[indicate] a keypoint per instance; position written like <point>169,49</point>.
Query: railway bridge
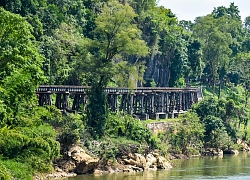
<point>141,102</point>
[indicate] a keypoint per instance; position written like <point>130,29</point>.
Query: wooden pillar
<point>189,100</point>
<point>76,102</point>
<point>172,104</point>
<point>113,102</point>
<point>167,102</point>
<point>161,109</point>
<point>178,101</point>
<point>65,102</point>
<point>149,103</point>
<point>58,101</point>
<point>141,103</point>
<point>79,100</point>
<point>44,99</point>
<point>138,103</point>
<point>184,101</point>
<point>131,104</point>
<point>124,103</point>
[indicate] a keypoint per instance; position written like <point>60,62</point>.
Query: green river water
<point>232,167</point>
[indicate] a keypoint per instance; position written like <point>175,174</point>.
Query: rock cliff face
<point>157,70</point>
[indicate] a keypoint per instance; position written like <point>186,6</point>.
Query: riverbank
<point>117,169</point>
<point>129,158</point>
<point>233,167</point>
<point>76,161</point>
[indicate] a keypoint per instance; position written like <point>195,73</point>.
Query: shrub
<point>4,172</point>
<point>186,136</point>
<point>72,129</point>
<point>22,146</point>
<point>11,169</point>
<point>119,125</point>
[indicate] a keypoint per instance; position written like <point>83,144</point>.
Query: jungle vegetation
<point>122,43</point>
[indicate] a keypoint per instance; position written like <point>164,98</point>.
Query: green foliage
<point>95,42</point>
<point>25,142</point>
<point>150,83</point>
<point>97,111</point>
<point>186,136</point>
<point>115,35</point>
<point>241,67</point>
<point>180,82</point>
<point>20,66</point>
<point>17,48</point>
<point>12,169</point>
<point>220,119</point>
<point>119,125</point>
<point>4,173</point>
<point>72,129</point>
<point>116,32</point>
<point>173,48</point>
<point>65,52</point>
<point>3,114</point>
<point>128,75</point>
<point>51,115</point>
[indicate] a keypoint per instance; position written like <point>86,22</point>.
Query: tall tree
<point>116,35</point>
<point>241,67</point>
<point>65,54</point>
<point>20,62</point>
<point>215,39</point>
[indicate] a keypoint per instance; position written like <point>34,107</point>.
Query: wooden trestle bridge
<point>141,102</point>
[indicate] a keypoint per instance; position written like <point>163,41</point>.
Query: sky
<point>190,9</point>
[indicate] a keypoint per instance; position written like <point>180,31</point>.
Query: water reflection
<point>231,167</point>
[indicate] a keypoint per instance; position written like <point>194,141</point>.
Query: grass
<point>123,140</point>
<point>161,120</point>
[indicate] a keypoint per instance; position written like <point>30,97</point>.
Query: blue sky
<point>190,9</point>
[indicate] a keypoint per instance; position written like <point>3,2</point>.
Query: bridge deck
<point>142,102</point>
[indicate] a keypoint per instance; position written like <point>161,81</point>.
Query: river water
<point>231,167</point>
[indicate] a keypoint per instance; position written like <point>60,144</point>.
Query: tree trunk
<point>220,87</point>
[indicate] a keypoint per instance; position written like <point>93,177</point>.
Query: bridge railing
<point>73,89</point>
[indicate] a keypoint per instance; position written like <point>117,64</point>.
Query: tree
<point>20,62</point>
<point>25,139</point>
<point>116,35</point>
<point>195,65</point>
<point>174,55</point>
<point>141,5</point>
<point>168,47</point>
<point>186,136</point>
<point>66,53</point>
<point>241,66</point>
<point>215,40</point>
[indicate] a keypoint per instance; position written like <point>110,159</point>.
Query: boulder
<point>78,161</point>
<point>130,162</point>
<point>151,161</point>
<point>86,166</point>
<point>141,160</point>
<point>212,152</point>
<point>162,163</point>
<point>244,145</point>
<point>66,165</point>
<point>136,160</point>
<point>231,151</point>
